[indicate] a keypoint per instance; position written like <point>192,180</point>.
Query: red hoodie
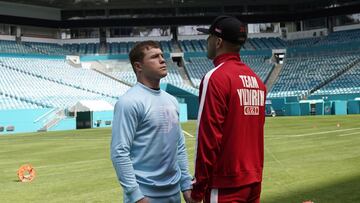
<point>230,133</point>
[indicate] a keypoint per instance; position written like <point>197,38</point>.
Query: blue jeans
<point>176,198</point>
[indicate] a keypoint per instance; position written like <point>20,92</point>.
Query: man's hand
<point>193,201</point>
<point>143,200</point>
<point>187,196</point>
<point>190,200</point>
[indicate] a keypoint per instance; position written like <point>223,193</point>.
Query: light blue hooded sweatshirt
<point>148,147</point>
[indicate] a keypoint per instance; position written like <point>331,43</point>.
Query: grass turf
<point>306,158</point>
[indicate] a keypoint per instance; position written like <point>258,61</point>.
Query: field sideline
<point>306,158</point>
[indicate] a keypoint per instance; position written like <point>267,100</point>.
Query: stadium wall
<point>319,108</point>
<point>304,109</point>
<point>43,40</point>
<point>22,120</point>
<point>334,105</point>
<point>87,58</point>
<point>192,37</point>
<point>346,27</point>
<point>292,109</point>
<point>307,34</point>
<point>79,41</point>
<point>264,35</point>
<point>188,108</point>
<point>137,39</point>
<point>32,120</point>
<point>183,112</point>
<point>102,119</point>
<point>353,107</point>
<point>339,108</point>
<point>7,37</point>
<point>39,32</point>
<point>336,97</point>
<point>65,124</point>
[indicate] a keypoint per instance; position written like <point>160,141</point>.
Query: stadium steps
<point>98,67</point>
<point>58,116</point>
<point>184,75</point>
<point>104,49</point>
<point>57,81</point>
<point>175,47</point>
<point>254,44</point>
<point>249,46</point>
<point>273,76</point>
<point>73,64</point>
<point>336,75</point>
<point>112,77</point>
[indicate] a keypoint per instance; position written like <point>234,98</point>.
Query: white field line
<point>281,166</point>
<point>188,134</point>
<point>74,139</point>
<point>277,161</point>
<point>274,157</point>
<point>72,163</point>
<point>318,133</point>
<point>349,134</point>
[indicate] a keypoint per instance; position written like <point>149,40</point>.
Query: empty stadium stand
<point>308,67</point>
<point>7,46</point>
<point>61,72</point>
<point>127,74</point>
<point>13,47</point>
<point>302,42</point>
<point>347,83</point>
<point>251,44</point>
<point>197,67</point>
<point>341,37</point>
<point>125,47</point>
<point>12,102</point>
<point>300,75</point>
<point>52,83</point>
<point>267,43</point>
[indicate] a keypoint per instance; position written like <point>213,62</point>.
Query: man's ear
<point>219,42</point>
<point>138,67</point>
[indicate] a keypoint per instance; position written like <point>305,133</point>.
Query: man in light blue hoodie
<point>148,147</point>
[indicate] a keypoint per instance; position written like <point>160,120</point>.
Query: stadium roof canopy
<point>93,13</point>
<point>113,4</point>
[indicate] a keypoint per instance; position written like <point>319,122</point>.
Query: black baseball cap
<point>228,28</point>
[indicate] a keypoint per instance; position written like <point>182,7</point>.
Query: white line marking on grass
<point>273,156</point>
<point>75,139</point>
<point>281,166</point>
<point>71,163</point>
<point>188,134</point>
<point>342,135</point>
<point>320,133</point>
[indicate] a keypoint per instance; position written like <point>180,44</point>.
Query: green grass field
<point>306,158</point>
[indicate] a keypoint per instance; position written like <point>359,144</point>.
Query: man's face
<point>211,46</point>
<point>153,66</point>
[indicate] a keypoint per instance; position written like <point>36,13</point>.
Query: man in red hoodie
<point>230,134</point>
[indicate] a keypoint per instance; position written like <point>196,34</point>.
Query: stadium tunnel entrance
<point>84,120</point>
<point>92,114</point>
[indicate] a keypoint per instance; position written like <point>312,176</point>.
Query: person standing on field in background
<point>148,147</point>
<point>230,134</point>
